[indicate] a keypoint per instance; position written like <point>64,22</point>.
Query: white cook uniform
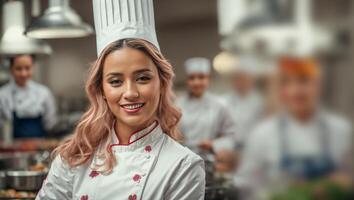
<point>30,101</point>
<point>153,166</point>
<point>260,165</point>
<point>245,111</point>
<point>204,118</point>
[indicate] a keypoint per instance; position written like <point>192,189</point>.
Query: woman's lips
<point>132,108</point>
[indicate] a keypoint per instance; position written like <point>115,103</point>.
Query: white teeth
<point>133,106</point>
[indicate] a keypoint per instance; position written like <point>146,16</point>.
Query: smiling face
<point>22,69</point>
<point>300,85</point>
<point>131,86</point>
<point>197,84</point>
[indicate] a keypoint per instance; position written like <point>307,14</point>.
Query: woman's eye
<point>115,83</point>
<point>143,79</point>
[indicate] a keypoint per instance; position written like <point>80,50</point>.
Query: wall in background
<point>188,28</point>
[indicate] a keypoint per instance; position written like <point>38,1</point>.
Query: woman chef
<point>124,146</point>
<point>305,142</point>
<point>204,118</point>
<point>29,106</point>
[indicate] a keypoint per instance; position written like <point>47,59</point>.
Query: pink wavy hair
<point>93,133</point>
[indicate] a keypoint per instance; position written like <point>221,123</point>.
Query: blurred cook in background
<point>27,105</point>
<point>204,117</point>
<point>244,101</point>
<point>303,142</point>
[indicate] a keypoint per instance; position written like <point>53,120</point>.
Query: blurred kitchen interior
<point>188,28</point>
<point>192,28</point>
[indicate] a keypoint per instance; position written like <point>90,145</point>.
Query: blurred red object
<point>30,144</point>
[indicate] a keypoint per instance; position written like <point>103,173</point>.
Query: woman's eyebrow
<point>121,74</point>
<point>114,74</point>
<point>142,70</point>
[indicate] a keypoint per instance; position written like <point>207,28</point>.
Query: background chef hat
<point>122,19</point>
<point>197,65</point>
<point>247,64</point>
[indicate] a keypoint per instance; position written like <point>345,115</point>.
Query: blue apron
<point>306,167</point>
<point>27,127</point>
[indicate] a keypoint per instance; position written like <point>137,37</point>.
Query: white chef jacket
<point>246,111</point>
<point>204,118</point>
<point>153,166</point>
<point>260,164</point>
<point>30,101</point>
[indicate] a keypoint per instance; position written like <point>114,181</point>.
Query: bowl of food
<point>18,160</point>
<point>25,180</point>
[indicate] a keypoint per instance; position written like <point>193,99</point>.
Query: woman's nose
<point>131,91</point>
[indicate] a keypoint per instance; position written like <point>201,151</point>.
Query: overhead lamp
<point>13,41</point>
<point>58,21</point>
<point>224,62</point>
<point>298,37</point>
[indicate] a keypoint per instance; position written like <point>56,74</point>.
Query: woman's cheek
<point>112,96</point>
<point>150,93</point>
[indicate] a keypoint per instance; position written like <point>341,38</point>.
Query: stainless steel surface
<point>20,170</point>
<point>17,161</point>
<point>25,180</point>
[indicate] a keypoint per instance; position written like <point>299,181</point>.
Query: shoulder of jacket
<point>39,86</point>
<point>5,89</point>
<point>216,100</point>
<point>337,122</point>
<point>61,166</point>
<point>181,152</point>
<point>265,128</point>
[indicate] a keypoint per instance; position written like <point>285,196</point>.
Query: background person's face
<point>22,69</point>
<point>131,87</point>
<point>197,84</point>
<point>243,82</point>
<point>299,95</point>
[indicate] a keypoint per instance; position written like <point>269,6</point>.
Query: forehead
<point>23,60</point>
<point>197,75</point>
<point>286,81</point>
<point>127,60</point>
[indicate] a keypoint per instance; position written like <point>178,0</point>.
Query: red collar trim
<point>156,124</point>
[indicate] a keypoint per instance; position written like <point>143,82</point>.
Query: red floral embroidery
<point>94,173</point>
<point>136,178</point>
<point>132,197</point>
<point>148,148</point>
<point>84,197</point>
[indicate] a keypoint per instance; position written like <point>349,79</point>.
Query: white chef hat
<point>247,64</point>
<point>121,19</point>
<point>197,65</point>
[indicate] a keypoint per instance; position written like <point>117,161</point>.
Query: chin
<point>134,121</point>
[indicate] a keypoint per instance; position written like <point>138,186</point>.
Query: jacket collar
<point>15,87</point>
<point>138,139</point>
